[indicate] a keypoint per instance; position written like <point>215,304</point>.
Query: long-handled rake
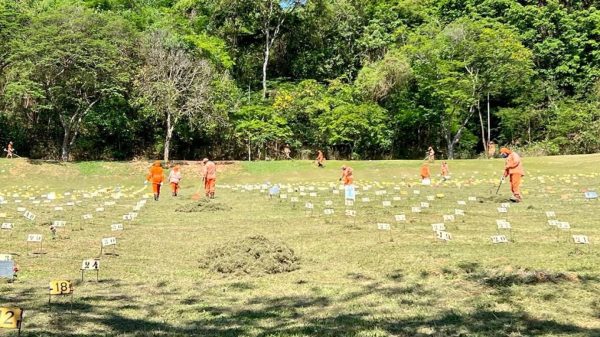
<point>196,196</point>
<point>500,184</point>
<point>14,153</point>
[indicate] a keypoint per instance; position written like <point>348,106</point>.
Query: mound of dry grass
<point>254,255</point>
<point>509,277</point>
<point>204,205</point>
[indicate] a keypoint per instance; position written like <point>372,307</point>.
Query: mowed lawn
<point>353,280</point>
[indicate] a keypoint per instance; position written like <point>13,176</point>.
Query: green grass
<point>352,280</point>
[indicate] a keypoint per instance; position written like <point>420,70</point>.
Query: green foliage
<point>576,127</point>
<point>211,47</point>
<point>260,124</point>
<point>65,62</point>
<point>359,128</point>
<point>426,68</point>
<point>379,79</point>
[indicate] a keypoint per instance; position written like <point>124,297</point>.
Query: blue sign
<point>7,269</point>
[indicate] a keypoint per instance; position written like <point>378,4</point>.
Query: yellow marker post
<point>60,288</point>
<point>11,318</point>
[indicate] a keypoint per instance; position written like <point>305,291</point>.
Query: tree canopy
<point>239,79</point>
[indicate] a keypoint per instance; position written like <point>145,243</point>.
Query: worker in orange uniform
<point>425,174</point>
<point>174,179</point>
<point>156,177</point>
<point>445,171</point>
<point>320,159</point>
<point>513,169</point>
<point>209,176</point>
<point>347,179</point>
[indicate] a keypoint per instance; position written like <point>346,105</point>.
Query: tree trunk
<point>270,37</point>
<point>489,137</point>
<point>167,150</point>
<point>265,64</point>
<point>70,134</point>
<point>452,141</point>
<point>168,138</point>
<point>483,140</point>
<point>66,148</point>
<point>450,151</point>
<point>71,129</point>
<point>249,150</point>
<point>448,138</point>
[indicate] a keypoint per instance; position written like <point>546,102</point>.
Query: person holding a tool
<point>348,179</point>
<point>209,177</point>
<point>445,171</point>
<point>514,170</point>
<point>10,150</point>
<point>320,159</point>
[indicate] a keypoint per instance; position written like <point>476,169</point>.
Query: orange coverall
<point>514,169</point>
<point>444,169</point>
<point>156,177</point>
<point>209,175</point>
<point>347,177</point>
<point>174,179</point>
<point>425,173</point>
<point>320,158</point>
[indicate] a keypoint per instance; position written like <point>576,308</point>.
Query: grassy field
<point>352,280</point>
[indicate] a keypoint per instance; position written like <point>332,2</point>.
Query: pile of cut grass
<point>254,255</point>
<point>204,205</point>
<point>523,276</point>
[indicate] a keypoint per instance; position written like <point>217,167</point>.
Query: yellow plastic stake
<point>11,318</point>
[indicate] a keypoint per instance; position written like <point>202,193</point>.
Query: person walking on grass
<point>347,179</point>
<point>287,151</point>
<point>513,168</point>
<point>174,179</point>
<point>156,177</point>
<point>209,177</point>
<point>445,171</point>
<point>9,150</point>
<point>320,159</point>
<point>425,174</point>
<point>430,156</point>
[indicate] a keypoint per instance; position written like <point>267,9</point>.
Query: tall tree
<point>12,17</point>
<point>272,16</point>
<point>462,64</point>
<point>175,85</point>
<point>65,62</point>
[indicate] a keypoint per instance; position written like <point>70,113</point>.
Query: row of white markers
<point>438,228</point>
<point>56,224</point>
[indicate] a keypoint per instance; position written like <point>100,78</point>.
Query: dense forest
<point>239,79</point>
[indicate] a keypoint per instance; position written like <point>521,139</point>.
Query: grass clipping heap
<point>203,205</point>
<point>254,255</point>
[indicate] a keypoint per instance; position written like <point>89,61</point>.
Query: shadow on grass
<point>293,316</point>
